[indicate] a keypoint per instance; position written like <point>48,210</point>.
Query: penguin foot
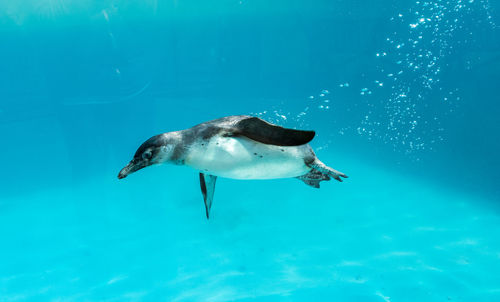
<point>321,167</point>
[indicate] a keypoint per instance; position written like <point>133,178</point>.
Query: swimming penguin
<point>240,147</point>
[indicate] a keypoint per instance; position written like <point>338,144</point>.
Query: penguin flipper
<point>267,133</point>
<point>207,183</point>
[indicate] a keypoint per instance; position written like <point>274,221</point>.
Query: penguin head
<point>158,149</point>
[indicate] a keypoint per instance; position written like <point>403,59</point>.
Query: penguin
<point>239,147</point>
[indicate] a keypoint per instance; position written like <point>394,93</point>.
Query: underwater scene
<point>104,198</point>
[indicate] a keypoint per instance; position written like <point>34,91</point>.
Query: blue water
<point>403,97</point>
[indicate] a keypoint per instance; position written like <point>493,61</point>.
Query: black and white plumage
<point>239,147</point>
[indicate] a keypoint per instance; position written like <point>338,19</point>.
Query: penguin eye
<point>147,155</point>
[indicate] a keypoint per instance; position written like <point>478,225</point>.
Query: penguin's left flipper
<point>266,133</point>
<point>207,183</point>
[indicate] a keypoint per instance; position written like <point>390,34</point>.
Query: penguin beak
<point>123,173</point>
<point>132,166</point>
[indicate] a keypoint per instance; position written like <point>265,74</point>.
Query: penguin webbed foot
<point>328,171</point>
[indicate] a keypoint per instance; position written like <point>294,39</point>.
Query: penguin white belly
<point>243,158</point>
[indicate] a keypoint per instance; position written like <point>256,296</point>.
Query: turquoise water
<point>403,98</point>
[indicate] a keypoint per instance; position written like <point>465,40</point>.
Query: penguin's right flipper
<point>207,183</point>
